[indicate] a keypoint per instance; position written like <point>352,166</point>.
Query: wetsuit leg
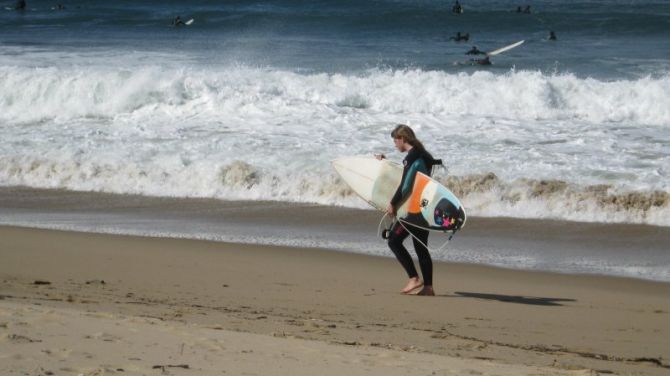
<point>397,236</point>
<point>425,261</point>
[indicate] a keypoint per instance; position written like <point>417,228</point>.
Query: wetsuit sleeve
<point>412,166</point>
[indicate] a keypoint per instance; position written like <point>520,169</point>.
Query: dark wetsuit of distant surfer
<point>460,37</point>
<point>457,8</point>
<point>475,51</point>
<point>417,160</point>
<point>20,5</point>
<point>177,21</point>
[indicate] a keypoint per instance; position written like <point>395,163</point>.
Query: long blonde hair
<point>407,134</point>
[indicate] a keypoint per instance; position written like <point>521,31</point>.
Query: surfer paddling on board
<point>417,160</point>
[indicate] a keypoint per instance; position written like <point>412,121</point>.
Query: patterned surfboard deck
<point>431,205</point>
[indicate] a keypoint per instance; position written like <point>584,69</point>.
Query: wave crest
<point>67,94</point>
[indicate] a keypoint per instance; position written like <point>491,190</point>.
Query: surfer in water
<point>177,21</point>
<point>417,160</point>
<point>457,8</point>
<point>460,37</point>
<point>475,51</point>
<point>20,5</point>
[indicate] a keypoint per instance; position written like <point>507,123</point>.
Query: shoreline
<point>632,251</point>
<point>595,276</point>
<point>523,318</point>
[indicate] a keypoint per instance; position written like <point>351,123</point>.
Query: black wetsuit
<point>460,37</point>
<point>415,161</point>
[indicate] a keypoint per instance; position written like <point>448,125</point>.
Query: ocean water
<point>254,99</point>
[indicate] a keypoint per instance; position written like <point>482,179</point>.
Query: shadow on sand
<point>531,300</point>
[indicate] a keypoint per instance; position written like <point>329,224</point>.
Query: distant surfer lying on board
<point>486,60</point>
<point>417,160</point>
<point>178,22</point>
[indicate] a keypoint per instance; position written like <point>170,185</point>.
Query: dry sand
<point>74,303</point>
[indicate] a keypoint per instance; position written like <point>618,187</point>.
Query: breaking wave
<point>60,94</point>
<point>267,134</point>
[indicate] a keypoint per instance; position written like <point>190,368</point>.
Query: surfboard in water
<point>189,21</point>
<point>431,205</point>
<point>477,62</point>
<point>506,48</point>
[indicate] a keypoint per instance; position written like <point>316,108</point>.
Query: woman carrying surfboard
<point>417,160</point>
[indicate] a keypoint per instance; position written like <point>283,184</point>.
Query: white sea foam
<point>29,95</point>
<point>256,133</point>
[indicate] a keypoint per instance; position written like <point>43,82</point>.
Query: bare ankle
<point>427,291</point>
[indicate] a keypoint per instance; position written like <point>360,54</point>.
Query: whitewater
<point>517,143</point>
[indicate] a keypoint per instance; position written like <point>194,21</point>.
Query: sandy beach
<point>173,198</point>
<point>93,304</point>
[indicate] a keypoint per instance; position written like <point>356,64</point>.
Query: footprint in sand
<point>17,338</point>
<point>584,372</point>
<point>62,353</point>
<point>95,372</point>
<point>102,336</point>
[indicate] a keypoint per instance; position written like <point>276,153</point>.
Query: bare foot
<point>412,284</point>
<point>426,291</point>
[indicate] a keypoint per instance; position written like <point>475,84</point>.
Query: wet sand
<point>95,304</point>
<point>619,249</point>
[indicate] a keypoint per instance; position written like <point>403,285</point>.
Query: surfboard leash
<point>387,232</point>
<point>440,249</point>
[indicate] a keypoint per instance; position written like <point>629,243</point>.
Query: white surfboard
<point>506,48</point>
<point>189,21</point>
<point>431,205</point>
